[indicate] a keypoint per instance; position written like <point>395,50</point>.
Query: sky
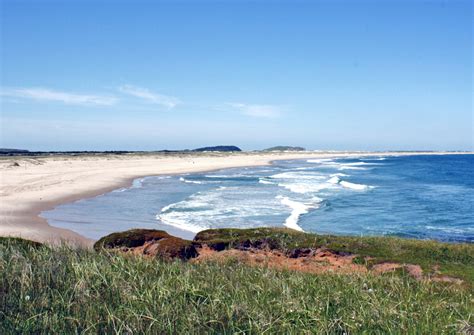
<point>151,75</point>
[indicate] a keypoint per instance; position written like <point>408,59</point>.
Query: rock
<point>148,242</point>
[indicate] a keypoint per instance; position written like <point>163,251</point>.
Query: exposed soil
<point>318,261</point>
<point>310,261</point>
<point>413,270</point>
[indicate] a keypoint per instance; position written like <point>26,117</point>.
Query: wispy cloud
<point>152,97</point>
<point>263,111</point>
<point>46,94</point>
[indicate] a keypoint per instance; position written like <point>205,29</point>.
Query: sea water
<point>425,197</point>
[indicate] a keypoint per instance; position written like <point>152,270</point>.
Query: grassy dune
<point>45,290</point>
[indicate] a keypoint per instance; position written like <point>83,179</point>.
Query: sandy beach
<point>30,185</point>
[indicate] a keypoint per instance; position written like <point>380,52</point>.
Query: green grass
<point>65,291</point>
<point>452,259</point>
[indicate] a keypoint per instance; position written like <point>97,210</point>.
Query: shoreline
<point>68,179</point>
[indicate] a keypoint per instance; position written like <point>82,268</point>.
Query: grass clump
<point>44,290</point>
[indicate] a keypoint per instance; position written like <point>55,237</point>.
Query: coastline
<point>42,183</point>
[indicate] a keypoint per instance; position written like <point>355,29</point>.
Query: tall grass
<point>79,291</point>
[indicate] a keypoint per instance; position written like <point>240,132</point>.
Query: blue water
<point>425,197</point>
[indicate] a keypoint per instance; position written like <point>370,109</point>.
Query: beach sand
<point>30,185</point>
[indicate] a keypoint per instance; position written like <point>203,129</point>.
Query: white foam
<point>264,181</point>
<point>304,188</point>
<point>296,175</point>
<point>354,186</point>
<point>334,180</point>
<point>338,175</point>
<point>297,209</point>
<point>358,163</point>
<point>320,161</point>
<point>346,184</point>
<point>190,181</point>
<point>219,207</point>
<point>176,221</point>
<point>167,208</point>
<point>350,167</point>
<point>342,165</point>
<point>300,182</point>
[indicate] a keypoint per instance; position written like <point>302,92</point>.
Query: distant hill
<point>285,148</point>
<point>219,148</point>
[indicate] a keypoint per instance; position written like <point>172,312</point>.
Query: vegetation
<point>445,258</point>
<point>44,290</point>
<point>219,148</point>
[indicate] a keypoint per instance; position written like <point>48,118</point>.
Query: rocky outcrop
<point>155,243</point>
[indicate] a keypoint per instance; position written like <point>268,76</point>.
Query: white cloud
<point>46,94</point>
<point>155,98</point>
<point>264,111</point>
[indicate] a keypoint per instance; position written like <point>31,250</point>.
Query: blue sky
<point>143,75</point>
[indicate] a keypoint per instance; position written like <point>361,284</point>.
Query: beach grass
<point>65,290</point>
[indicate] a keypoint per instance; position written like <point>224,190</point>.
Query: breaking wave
<point>297,209</point>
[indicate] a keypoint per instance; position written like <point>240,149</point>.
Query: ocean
<point>423,197</point>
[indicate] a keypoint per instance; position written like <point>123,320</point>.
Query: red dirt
<point>413,270</point>
<point>318,262</point>
<point>385,267</point>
